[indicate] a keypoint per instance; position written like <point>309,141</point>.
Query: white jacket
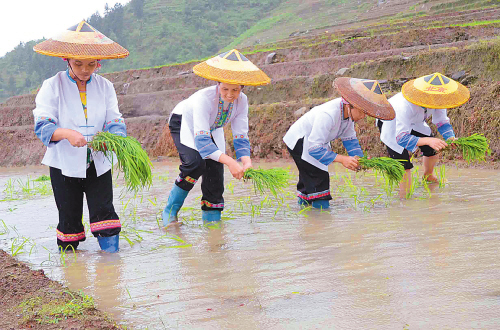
<point>319,126</point>
<point>199,112</point>
<point>409,117</point>
<point>59,99</point>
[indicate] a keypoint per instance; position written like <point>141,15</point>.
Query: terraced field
<point>462,43</point>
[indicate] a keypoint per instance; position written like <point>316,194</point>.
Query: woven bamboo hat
<point>81,41</point>
<point>365,95</point>
<point>435,91</point>
<point>232,68</point>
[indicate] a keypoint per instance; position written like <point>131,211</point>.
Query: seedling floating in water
<point>275,179</point>
<point>132,159</point>
<point>391,169</point>
<point>474,147</point>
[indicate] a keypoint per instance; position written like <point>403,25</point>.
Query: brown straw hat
<point>232,68</point>
<point>435,91</point>
<point>81,41</point>
<point>365,95</point>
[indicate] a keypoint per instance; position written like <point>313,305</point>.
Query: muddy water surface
<point>371,261</point>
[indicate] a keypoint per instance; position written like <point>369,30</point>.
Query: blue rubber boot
<point>210,216</point>
<point>303,202</point>
<point>109,244</point>
<point>321,204</point>
<point>174,204</point>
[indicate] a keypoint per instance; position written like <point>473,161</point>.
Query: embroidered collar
<point>73,80</point>
<point>222,115</point>
<point>342,103</point>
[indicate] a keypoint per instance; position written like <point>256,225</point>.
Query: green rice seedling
<point>275,179</point>
<point>474,147</point>
<point>230,187</point>
<point>3,228</point>
<point>304,211</point>
<point>183,243</point>
<point>17,246</point>
<point>33,248</point>
<point>132,159</point>
<point>391,169</point>
<point>26,188</point>
<point>441,176</point>
<point>9,190</point>
<point>414,184</point>
<point>425,183</point>
<point>42,178</point>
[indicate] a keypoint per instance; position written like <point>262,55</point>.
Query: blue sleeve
<point>407,141</point>
<point>44,129</point>
<point>204,144</point>
<point>116,126</point>
<point>353,148</point>
<point>446,131</point>
<point>322,154</point>
<point>241,147</point>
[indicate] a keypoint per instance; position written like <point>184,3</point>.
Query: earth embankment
<point>303,69</point>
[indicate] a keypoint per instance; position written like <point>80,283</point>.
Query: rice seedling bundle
<point>133,161</point>
<point>274,179</point>
<point>474,147</point>
<point>391,169</point>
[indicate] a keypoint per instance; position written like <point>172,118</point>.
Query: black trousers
<point>68,193</point>
<point>193,167</point>
<point>314,183</point>
<point>426,150</point>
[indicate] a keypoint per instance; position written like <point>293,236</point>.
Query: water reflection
<point>369,262</point>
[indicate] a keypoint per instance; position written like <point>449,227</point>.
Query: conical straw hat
<point>365,95</point>
<point>81,41</point>
<point>232,68</point>
<point>435,91</point>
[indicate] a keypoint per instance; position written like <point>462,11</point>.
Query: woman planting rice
<point>420,99</point>
<point>71,108</point>
<point>196,125</point>
<point>308,139</point>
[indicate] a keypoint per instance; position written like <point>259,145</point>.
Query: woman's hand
<point>75,138</point>
<point>236,170</point>
<point>453,145</point>
<point>247,162</point>
<point>348,162</point>
<point>434,143</point>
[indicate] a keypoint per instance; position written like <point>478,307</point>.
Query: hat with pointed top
<point>232,68</point>
<point>81,41</point>
<point>435,91</point>
<point>365,95</point>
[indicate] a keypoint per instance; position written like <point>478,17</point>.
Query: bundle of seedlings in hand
<point>474,147</point>
<point>274,179</point>
<point>391,169</point>
<point>132,159</point>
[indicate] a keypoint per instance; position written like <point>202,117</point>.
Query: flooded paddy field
<point>371,261</point>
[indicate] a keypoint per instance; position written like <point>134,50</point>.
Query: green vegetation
<point>390,168</point>
<point>464,4</point>
<point>262,25</point>
<point>475,23</point>
<point>43,178</point>
<point>274,179</point>
<point>132,159</point>
<point>20,189</point>
<point>474,147</point>
<point>52,312</point>
<point>156,32</point>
